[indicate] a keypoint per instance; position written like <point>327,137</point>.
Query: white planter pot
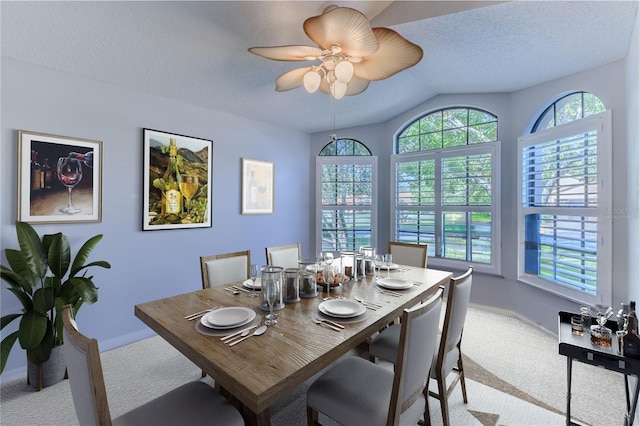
<point>53,370</point>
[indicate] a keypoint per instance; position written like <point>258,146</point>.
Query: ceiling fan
<point>351,54</point>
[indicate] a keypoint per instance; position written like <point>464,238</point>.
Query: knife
<point>237,333</point>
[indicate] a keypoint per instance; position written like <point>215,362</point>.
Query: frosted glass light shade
<point>311,81</point>
<point>338,89</point>
<point>344,71</point>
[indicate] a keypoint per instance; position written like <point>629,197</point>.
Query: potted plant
<point>43,278</point>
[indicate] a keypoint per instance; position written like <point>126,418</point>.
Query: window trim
<point>494,148</point>
<point>600,122</point>
<point>342,160</point>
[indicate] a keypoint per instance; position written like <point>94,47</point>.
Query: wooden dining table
<point>257,372</point>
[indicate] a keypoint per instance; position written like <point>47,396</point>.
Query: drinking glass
<point>189,187</point>
<point>378,260</point>
<point>69,172</point>
<point>254,275</point>
<point>388,261</point>
<point>271,287</point>
<point>327,258</point>
<point>328,276</point>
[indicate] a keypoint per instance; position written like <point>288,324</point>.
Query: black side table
<point>581,349</point>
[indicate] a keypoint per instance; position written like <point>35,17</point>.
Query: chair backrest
<point>226,268</point>
<point>85,374</point>
<point>409,254</point>
<point>418,335</point>
<point>284,256</point>
<point>456,313</point>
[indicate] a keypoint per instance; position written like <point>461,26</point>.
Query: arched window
<point>345,146</point>
<point>346,194</point>
<point>564,182</point>
<point>445,177</point>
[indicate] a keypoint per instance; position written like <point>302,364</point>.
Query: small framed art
<point>59,178</point>
<point>257,187</point>
<point>177,181</point>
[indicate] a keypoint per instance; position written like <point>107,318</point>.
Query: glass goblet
<point>271,287</point>
<point>388,261</point>
<point>254,276</point>
<point>328,275</point>
<point>378,260</point>
<point>69,172</point>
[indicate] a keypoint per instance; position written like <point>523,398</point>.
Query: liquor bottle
<point>86,158</point>
<point>47,174</point>
<point>631,341</point>
<point>36,172</point>
<point>172,196</point>
<point>632,326</point>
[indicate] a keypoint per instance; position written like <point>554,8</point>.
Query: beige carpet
<point>515,377</point>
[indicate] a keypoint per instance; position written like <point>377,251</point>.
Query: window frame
<point>322,160</point>
<point>601,123</point>
<point>494,149</point>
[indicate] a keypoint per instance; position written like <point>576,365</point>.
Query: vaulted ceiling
<point>196,52</point>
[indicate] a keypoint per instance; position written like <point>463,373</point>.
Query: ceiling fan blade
<point>355,86</point>
<point>344,27</point>
<point>395,54</point>
<point>287,53</point>
<point>291,79</point>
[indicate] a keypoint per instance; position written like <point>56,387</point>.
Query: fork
<point>389,292</point>
<point>326,324</point>
<point>195,315</point>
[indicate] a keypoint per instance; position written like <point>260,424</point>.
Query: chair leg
<point>204,374</point>
<point>462,383</point>
<point>442,396</point>
<point>312,417</point>
<point>427,416</point>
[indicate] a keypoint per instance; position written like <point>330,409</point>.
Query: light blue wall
<point>515,111</point>
<point>153,264</point>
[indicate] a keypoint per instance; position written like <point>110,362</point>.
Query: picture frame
<point>166,204</point>
<point>258,178</point>
<point>70,193</point>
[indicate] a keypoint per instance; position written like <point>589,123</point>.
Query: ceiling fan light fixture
<point>351,53</point>
<point>311,80</point>
<point>344,71</point>
<point>338,89</point>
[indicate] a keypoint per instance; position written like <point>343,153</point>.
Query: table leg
<point>569,391</point>
<point>250,418</point>
<point>632,415</point>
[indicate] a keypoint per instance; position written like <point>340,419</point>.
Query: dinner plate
<point>225,318</point>
<point>342,308</point>
<point>249,284</point>
<point>394,283</point>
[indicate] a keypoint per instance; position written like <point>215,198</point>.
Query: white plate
<point>342,308</point>
<point>225,318</point>
<point>249,284</point>
<point>394,283</point>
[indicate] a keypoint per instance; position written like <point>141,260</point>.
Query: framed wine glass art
<point>257,187</point>
<point>59,178</point>
<point>177,181</point>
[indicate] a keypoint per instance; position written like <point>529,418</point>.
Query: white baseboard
<point>509,313</point>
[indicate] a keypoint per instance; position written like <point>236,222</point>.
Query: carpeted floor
<point>515,377</point>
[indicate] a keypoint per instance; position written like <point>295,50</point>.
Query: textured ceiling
<point>196,52</point>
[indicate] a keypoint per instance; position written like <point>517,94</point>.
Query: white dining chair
<point>357,392</point>
<point>286,256</point>
<point>194,403</point>
<point>226,268</point>
<point>409,254</point>
<point>448,357</point>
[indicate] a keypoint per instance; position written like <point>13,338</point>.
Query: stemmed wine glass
<point>69,172</point>
<point>388,261</point>
<point>378,260</point>
<point>328,276</point>
<point>254,275</point>
<point>271,287</point>
<point>189,187</point>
